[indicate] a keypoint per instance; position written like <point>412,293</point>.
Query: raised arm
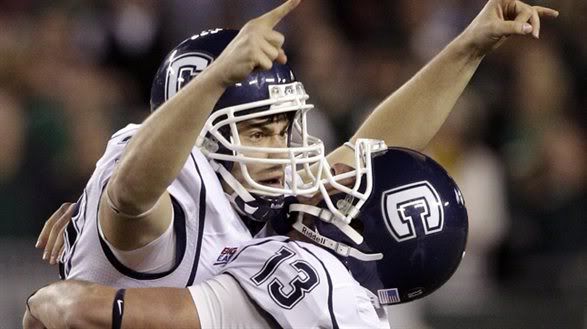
<point>78,304</point>
<point>412,115</point>
<point>156,154</point>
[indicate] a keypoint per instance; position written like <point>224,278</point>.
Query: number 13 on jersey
<point>287,291</point>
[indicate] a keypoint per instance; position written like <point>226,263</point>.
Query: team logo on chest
<point>407,205</point>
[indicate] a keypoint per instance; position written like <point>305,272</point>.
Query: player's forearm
<point>78,304</point>
<point>73,304</point>
<point>157,153</point>
<point>159,308</point>
<point>412,115</point>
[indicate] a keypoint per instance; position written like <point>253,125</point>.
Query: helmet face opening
<point>298,151</point>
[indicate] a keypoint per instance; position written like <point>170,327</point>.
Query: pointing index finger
<point>274,16</point>
<point>543,11</point>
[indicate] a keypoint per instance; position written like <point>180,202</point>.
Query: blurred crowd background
<point>73,72</point>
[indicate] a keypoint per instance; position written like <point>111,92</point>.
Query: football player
<point>162,220</point>
<point>155,212</point>
<point>412,227</point>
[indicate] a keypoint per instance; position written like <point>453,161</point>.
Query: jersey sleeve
<point>185,188</point>
<point>182,188</point>
<point>153,258</point>
<point>114,150</point>
<point>221,303</point>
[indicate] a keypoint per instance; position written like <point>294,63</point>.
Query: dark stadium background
<point>73,72</point>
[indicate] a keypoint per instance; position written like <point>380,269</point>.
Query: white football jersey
<point>204,224</point>
<point>301,285</point>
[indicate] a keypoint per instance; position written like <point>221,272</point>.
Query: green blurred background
<point>73,72</point>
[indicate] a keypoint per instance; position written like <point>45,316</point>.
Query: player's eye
<point>256,135</point>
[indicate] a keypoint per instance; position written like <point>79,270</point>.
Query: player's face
<point>263,132</point>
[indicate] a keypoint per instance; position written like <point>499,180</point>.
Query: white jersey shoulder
<point>204,224</point>
<point>300,285</point>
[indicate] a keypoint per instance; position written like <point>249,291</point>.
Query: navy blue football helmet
<point>260,192</point>
<point>411,218</point>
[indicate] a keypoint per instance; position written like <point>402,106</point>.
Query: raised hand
<point>257,45</point>
<point>501,18</point>
<point>51,237</point>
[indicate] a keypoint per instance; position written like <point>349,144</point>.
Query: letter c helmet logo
<point>404,205</point>
<point>182,69</point>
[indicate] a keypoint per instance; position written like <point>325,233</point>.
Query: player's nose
<point>278,142</point>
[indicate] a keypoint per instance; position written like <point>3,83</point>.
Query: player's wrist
<point>84,304</point>
<point>217,76</point>
<point>118,308</point>
<point>466,46</point>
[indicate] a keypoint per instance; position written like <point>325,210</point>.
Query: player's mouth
<point>276,181</point>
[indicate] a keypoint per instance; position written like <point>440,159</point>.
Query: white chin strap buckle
<point>342,249</point>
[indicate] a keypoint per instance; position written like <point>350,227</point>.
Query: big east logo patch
<point>225,255</point>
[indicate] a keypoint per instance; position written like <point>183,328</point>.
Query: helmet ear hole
<point>357,224</point>
<point>210,144</point>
